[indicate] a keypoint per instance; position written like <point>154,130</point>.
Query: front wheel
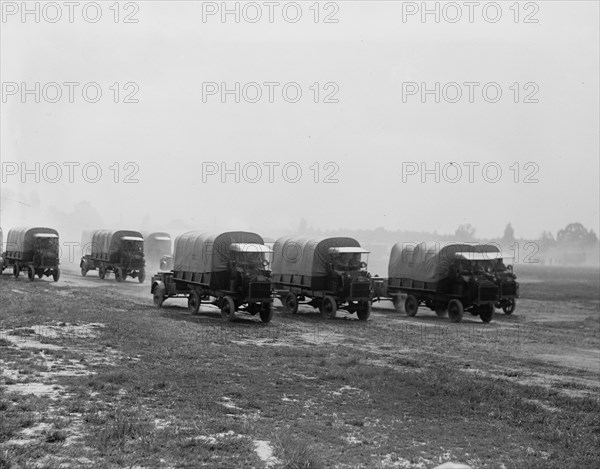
<point>487,313</point>
<point>159,295</point>
<point>119,274</point>
<point>141,276</point>
<point>509,306</point>
<point>102,273</point>
<point>84,270</point>
<point>16,270</point>
<point>194,302</point>
<point>328,307</point>
<point>56,274</point>
<point>228,309</point>
<point>266,312</point>
<point>290,303</point>
<point>455,310</point>
<point>411,306</point>
<point>30,273</point>
<point>363,310</point>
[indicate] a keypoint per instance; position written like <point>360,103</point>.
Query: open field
<point>93,375</point>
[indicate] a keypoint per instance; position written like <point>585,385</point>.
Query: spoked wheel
<point>119,274</point>
<point>363,310</point>
<point>159,295</point>
<point>141,276</point>
<point>411,306</point>
<point>56,274</point>
<point>487,313</point>
<point>441,312</point>
<point>290,303</point>
<point>266,312</point>
<point>510,306</point>
<point>328,307</point>
<point>16,270</point>
<point>455,310</point>
<point>193,302</point>
<point>30,273</point>
<point>228,309</point>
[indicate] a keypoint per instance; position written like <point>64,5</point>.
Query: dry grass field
<point>93,375</point>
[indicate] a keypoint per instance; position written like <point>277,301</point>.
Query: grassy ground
<point>99,378</point>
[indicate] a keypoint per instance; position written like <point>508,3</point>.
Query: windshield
<point>480,266</point>
<point>250,259</point>
<point>48,245</point>
<point>349,260</point>
<point>133,247</point>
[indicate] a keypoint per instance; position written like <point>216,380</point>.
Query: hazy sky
<point>373,141</point>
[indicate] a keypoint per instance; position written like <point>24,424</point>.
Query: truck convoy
<point>449,280</point>
<point>32,249</point>
<point>228,270</point>
<point>121,252</point>
<point>328,272</point>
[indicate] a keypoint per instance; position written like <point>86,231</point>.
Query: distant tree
<point>509,235</point>
<point>465,232</point>
<point>577,235</point>
<point>546,241</point>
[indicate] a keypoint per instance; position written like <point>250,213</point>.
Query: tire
<point>411,306</point>
<point>101,273</point>
<point>119,275</point>
<point>56,274</point>
<point>510,306</point>
<point>455,310</point>
<point>228,309</point>
<point>486,314</point>
<point>363,310</point>
<point>290,303</point>
<point>40,273</point>
<point>16,270</point>
<point>141,276</point>
<point>266,312</point>
<point>328,307</point>
<point>193,302</point>
<point>159,295</point>
<point>441,312</point>
<point>84,270</point>
<point>30,273</point>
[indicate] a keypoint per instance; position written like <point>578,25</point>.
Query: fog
<point>368,154</point>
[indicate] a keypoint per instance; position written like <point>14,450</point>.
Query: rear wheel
<point>328,307</point>
<point>228,309</point>
<point>487,313</point>
<point>141,276</point>
<point>411,306</point>
<point>266,312</point>
<point>159,295</point>
<point>290,303</point>
<point>56,274</point>
<point>30,273</point>
<point>509,306</point>
<point>194,302</point>
<point>16,270</point>
<point>455,310</point>
<point>363,310</point>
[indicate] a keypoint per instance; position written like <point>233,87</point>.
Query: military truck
<point>156,246</point>
<point>448,280</point>
<point>228,270</point>
<point>120,252</point>
<point>33,249</point>
<point>325,273</point>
